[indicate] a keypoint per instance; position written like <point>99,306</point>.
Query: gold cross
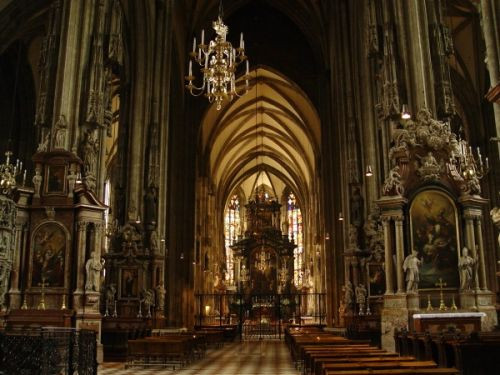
<point>440,284</point>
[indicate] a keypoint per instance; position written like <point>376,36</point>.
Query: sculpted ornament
<point>93,268</point>
<point>429,168</point>
<point>37,182</point>
<point>466,268</point>
<point>393,183</point>
<point>411,267</point>
<point>60,136</point>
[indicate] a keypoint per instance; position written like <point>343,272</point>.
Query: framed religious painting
<point>48,256</point>
<point>375,274</point>
<point>435,237</point>
<point>56,178</point>
<point>129,283</point>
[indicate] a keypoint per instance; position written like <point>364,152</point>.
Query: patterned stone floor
<point>247,358</point>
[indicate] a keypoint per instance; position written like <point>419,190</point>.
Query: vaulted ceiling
<point>269,136</point>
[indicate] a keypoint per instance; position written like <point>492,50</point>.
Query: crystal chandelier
<point>218,61</point>
<point>8,174</point>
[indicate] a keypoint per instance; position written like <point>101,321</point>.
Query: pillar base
<point>394,315</point>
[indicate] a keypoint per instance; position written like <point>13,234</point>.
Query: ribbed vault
<point>269,136</point>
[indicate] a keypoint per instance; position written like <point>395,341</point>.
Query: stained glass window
<point>295,234</point>
<point>231,231</point>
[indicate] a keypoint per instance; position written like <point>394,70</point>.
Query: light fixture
<point>341,217</point>
<point>369,171</point>
<point>219,61</point>
<point>405,113</point>
<point>8,174</point>
<point>327,236</point>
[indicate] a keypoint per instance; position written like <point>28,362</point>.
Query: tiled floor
<point>247,358</point>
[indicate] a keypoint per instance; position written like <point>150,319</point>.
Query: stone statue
<point>411,266</point>
<point>148,299</point>
<point>93,268</point>
<point>356,207</point>
<point>361,294</point>
<point>160,296</point>
<point>393,181</point>
<point>151,206</point>
<point>466,269</point>
<point>153,243</point>
<point>110,297</point>
<point>61,128</point>
<point>37,182</point>
<point>348,295</point>
<point>353,237</point>
<point>89,150</point>
<point>72,177</point>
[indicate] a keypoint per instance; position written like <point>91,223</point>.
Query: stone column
<point>388,256</point>
<point>14,293</point>
<point>399,253</point>
<point>81,240</point>
<point>480,253</point>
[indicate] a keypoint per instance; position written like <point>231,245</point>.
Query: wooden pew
<point>428,371</point>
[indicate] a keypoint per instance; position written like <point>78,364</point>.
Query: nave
<point>245,358</point>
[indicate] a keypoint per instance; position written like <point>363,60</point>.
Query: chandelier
<point>218,61</point>
<point>8,174</point>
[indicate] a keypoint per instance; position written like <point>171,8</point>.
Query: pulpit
<point>437,322</point>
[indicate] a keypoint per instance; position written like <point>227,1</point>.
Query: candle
<point>20,165</point>
<point>241,40</point>
<point>203,36</point>
<point>487,164</point>
<point>190,68</point>
<point>24,178</point>
<point>247,66</point>
<point>194,45</point>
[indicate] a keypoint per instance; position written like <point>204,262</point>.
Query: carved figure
<point>411,266</point>
<point>466,266</point>
<point>37,182</point>
<point>353,237</point>
<point>361,294</point>
<point>348,294</point>
<point>393,181</point>
<point>160,296</point>
<point>356,207</point>
<point>110,297</point>
<point>153,243</point>
<point>148,299</point>
<point>151,207</point>
<point>93,268</point>
<point>61,128</point>
<point>89,149</point>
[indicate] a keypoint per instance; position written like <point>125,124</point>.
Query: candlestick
<point>194,45</point>
<point>241,40</point>
<point>190,68</point>
<point>203,37</point>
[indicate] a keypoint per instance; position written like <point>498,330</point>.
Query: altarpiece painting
<point>48,256</point>
<point>434,235</point>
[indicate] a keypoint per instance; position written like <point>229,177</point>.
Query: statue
<point>151,206</point>
<point>356,207</point>
<point>93,268</point>
<point>393,181</point>
<point>353,237</point>
<point>148,300</point>
<point>466,269</point>
<point>410,266</point>
<point>37,182</point>
<point>348,294</point>
<point>160,296</point>
<point>110,297</point>
<point>89,149</point>
<point>153,243</point>
<point>60,138</point>
<point>361,294</point>
<point>72,177</point>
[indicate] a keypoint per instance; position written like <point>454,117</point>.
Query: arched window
<point>295,234</point>
<point>231,231</point>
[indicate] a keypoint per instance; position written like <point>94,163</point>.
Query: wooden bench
<point>428,371</point>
